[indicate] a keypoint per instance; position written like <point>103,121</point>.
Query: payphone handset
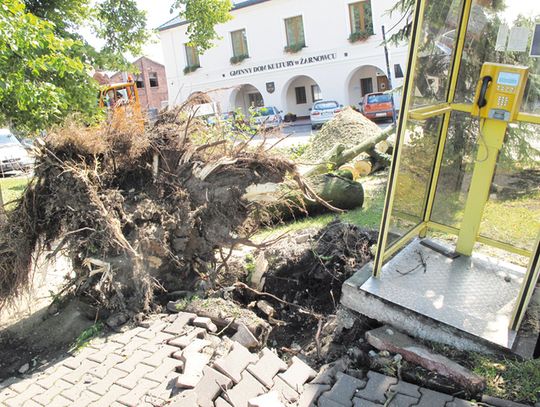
<point>500,91</point>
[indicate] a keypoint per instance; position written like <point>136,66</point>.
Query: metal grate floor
<point>474,294</point>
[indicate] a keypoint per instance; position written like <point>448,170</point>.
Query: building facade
<point>287,54</point>
<point>151,83</point>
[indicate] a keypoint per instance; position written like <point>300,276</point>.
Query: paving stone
<point>327,373</point>
<point>163,390</point>
<point>74,392</point>
<point>267,367</point>
<point>358,402</point>
<point>22,385</point>
<point>244,336</point>
<point>106,349</point>
<point>6,394</point>
<point>75,361</point>
<point>271,399</point>
<point>185,399</point>
<point>345,388</point>
<point>133,398</point>
<point>401,400</point>
<point>49,380</point>
<point>210,386</point>
<point>103,368</point>
<point>311,393</point>
<point>152,330</point>
<point>221,403</point>
<point>464,403</point>
<point>432,398</point>
<point>60,401</point>
<point>195,346</point>
<point>32,403</point>
<point>8,382</point>
<point>286,392</point>
<point>186,339</point>
<point>405,388</point>
<point>19,400</point>
<point>206,323</point>
<point>77,374</point>
<point>235,362</point>
<point>297,374</point>
<point>46,397</point>
<point>101,387</point>
<point>376,387</point>
<point>112,395</point>
<point>245,390</point>
<point>166,367</point>
<point>158,357</point>
<point>181,320</point>
<point>133,360</point>
<point>132,346</point>
<point>126,337</point>
<point>154,344</point>
<point>131,380</point>
<point>192,373</point>
<point>326,402</point>
<point>500,403</point>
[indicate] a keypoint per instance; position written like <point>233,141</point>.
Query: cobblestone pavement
<point>170,361</point>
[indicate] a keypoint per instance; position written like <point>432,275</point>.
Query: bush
<point>359,36</point>
<point>293,49</point>
<point>191,68</point>
<point>238,58</point>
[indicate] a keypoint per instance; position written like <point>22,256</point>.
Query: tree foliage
<point>203,16</point>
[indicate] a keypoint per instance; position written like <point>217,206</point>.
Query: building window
<point>296,40</point>
<point>239,45</point>
<point>255,100</point>
<point>361,20</point>
<point>366,85</point>
<point>139,81</point>
<point>192,59</point>
<point>153,79</point>
<point>398,72</point>
<point>316,93</point>
<point>300,95</point>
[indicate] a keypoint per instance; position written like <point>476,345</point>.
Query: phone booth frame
<point>386,251</point>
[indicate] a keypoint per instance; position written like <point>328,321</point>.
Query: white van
<point>13,156</point>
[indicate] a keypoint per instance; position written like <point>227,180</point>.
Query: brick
<point>112,395</point>
<point>130,381</point>
<point>32,403</point>
<point>235,362</point>
<point>131,347</point>
<point>210,386</point>
<point>105,350</point>
<point>73,392</point>
<point>245,390</point>
<point>133,360</point>
<point>49,380</point>
<point>358,402</point>
<point>87,398</point>
<point>46,397</point>
<point>77,374</point>
<point>133,398</point>
<point>154,344</point>
<point>220,402</point>
<point>185,399</point>
<point>6,394</point>
<point>184,340</point>
<point>158,357</point>
<point>101,387</point>
<point>60,401</point>
<point>376,387</point>
<point>206,323</point>
<point>22,385</point>
<point>406,389</point>
<point>19,400</point>
<point>268,366</point>
<point>126,337</point>
<point>193,370</point>
<point>432,398</point>
<point>297,374</point>
<point>401,400</point>
<point>244,336</point>
<point>75,361</point>
<point>344,389</point>
<point>181,320</point>
<point>163,390</point>
<point>102,369</point>
<point>195,346</point>
<point>285,392</point>
<point>166,367</point>
<point>311,393</point>
<point>266,400</point>
<point>152,330</point>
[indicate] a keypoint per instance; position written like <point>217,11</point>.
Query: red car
<point>377,106</point>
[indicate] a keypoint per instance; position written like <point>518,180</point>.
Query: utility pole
<point>389,74</point>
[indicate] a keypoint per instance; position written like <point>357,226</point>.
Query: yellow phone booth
<point>459,242</point>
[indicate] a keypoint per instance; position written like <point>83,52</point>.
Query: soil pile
<point>348,128</point>
<point>138,211</point>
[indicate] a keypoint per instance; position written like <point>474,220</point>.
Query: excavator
<point>121,101</point>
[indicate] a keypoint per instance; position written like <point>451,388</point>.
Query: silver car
<point>267,117</point>
<point>13,156</point>
<point>323,111</point>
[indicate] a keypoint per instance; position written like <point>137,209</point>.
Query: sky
<point>157,12</point>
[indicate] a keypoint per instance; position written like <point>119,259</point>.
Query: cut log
<point>339,156</point>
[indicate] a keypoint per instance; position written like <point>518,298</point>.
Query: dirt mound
<point>348,128</point>
<point>137,210</point>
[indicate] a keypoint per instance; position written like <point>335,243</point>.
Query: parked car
<point>268,117</point>
<point>377,106</point>
<point>13,155</point>
<point>323,111</point>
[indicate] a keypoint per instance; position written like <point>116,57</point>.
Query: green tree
<point>203,16</point>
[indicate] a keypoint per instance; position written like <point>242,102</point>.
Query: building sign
<point>283,64</point>
<point>270,87</point>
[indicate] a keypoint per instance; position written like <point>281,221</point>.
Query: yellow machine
<point>121,99</point>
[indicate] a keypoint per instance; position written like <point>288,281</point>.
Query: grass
<point>12,188</point>
<point>86,336</point>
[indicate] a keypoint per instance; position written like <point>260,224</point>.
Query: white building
<point>287,53</point>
